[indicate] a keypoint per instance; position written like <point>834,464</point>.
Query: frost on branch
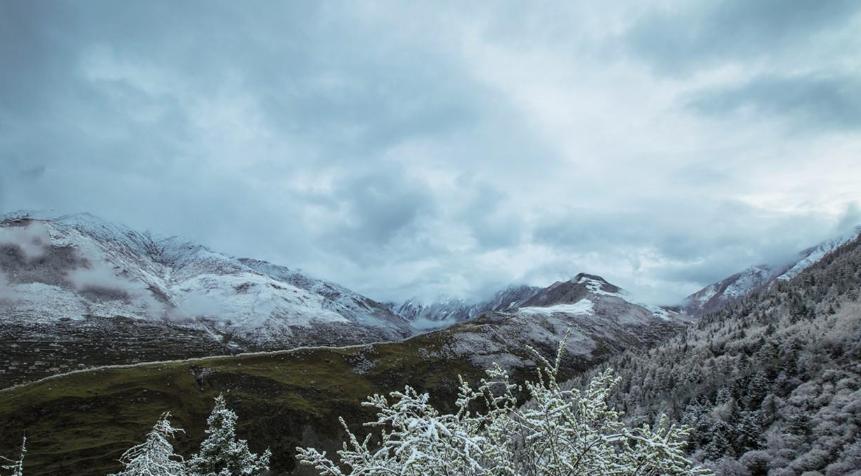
<point>16,466</point>
<point>155,456</point>
<point>557,432</point>
<point>221,454</point>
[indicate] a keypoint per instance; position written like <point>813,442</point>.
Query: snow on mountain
<point>598,317</point>
<point>583,307</point>
<point>450,311</point>
<point>565,296</point>
<point>596,288</point>
<point>79,266</point>
<point>435,315</point>
<point>813,254</point>
<point>716,295</point>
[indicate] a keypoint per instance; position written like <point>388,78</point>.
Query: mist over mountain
<point>80,291</point>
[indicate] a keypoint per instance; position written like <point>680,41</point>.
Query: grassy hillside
<point>80,423</point>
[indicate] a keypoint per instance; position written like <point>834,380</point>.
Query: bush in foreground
<point>557,432</point>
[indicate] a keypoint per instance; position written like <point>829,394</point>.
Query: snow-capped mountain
<point>450,311</point>
<point>79,269</point>
<point>598,317</point>
<point>716,295</point>
<point>589,287</point>
<point>814,254</point>
<point>447,312</point>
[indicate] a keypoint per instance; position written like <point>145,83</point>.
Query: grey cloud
<point>850,219</point>
<point>411,151</point>
<point>378,209</point>
<point>812,102</point>
<point>489,215</point>
<point>714,240</point>
<point>691,34</point>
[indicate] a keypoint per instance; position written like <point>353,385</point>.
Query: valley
<point>84,387</point>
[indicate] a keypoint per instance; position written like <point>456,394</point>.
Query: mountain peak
<point>568,292</point>
<point>581,277</point>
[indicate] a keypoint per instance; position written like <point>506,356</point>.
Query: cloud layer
<point>442,149</point>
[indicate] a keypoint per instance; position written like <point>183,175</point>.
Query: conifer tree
<point>221,454</point>
<point>155,456</point>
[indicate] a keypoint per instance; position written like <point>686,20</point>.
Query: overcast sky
<point>435,149</point>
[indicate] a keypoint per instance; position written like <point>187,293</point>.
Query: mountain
<point>598,318</point>
<point>291,398</point>
<point>79,291</point>
<point>716,295</point>
<point>770,384</point>
<point>447,312</point>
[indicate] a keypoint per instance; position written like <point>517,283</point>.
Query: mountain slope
<point>78,275</point>
<point>595,315</point>
<point>716,295</point>
<point>772,382</point>
<point>79,423</point>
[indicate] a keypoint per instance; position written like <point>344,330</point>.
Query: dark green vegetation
<point>32,351</point>
<point>772,383</point>
<point>36,350</point>
<point>80,423</point>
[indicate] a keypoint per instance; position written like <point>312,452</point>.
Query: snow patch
<point>581,307</point>
<point>596,287</point>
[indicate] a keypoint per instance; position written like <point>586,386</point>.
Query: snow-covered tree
<point>221,454</point>
<point>155,456</point>
<point>16,466</point>
<point>558,431</point>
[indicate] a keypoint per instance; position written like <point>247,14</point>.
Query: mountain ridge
<point>78,290</point>
<point>720,293</point>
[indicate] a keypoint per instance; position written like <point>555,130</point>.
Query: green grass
<point>81,423</point>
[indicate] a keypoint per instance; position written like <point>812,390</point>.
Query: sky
<point>445,149</point>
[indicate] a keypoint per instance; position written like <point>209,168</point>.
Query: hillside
<point>772,383</point>
<point>80,423</point>
<point>77,291</point>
